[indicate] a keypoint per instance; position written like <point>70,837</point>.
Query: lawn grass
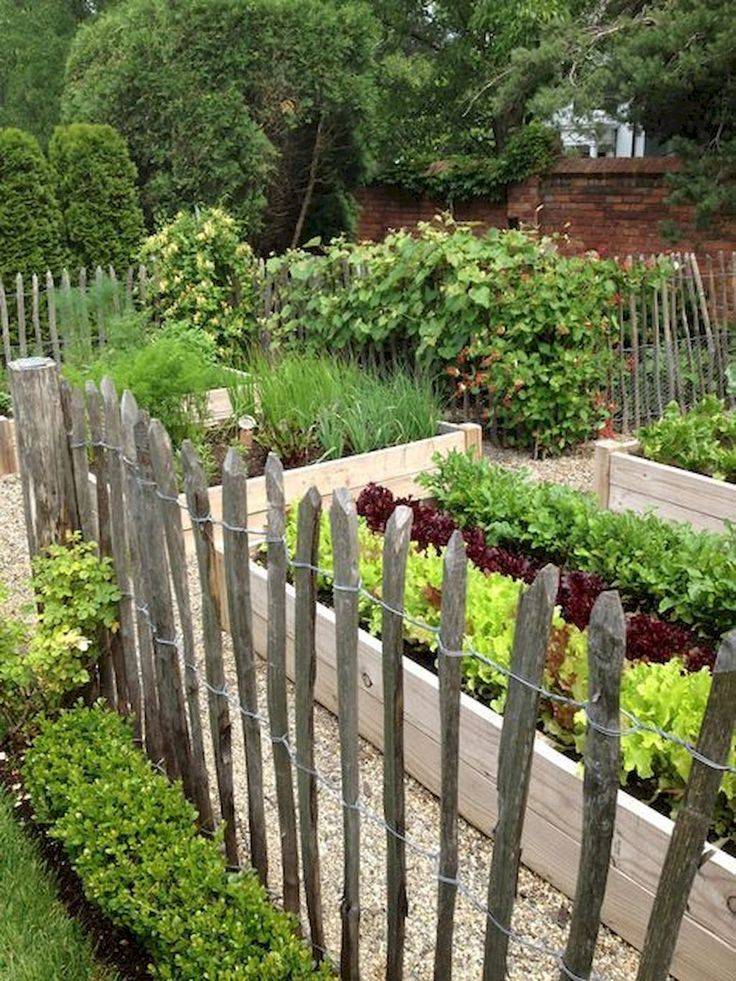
<point>38,940</point>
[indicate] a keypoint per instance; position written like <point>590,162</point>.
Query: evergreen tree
<point>97,192</point>
<point>30,219</point>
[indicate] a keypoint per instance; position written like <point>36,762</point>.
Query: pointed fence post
<point>395,554</point>
<point>449,668</point>
<point>162,459</point>
<point>277,702</point>
<point>240,613</point>
<point>693,819</point>
<point>198,501</point>
<point>515,752</point>
<point>602,761</point>
<point>305,670</point>
<point>344,525</point>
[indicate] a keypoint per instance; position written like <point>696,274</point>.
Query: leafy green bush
<point>530,150</point>
<point>702,440</point>
<point>97,193</point>
<point>307,406</point>
<point>205,276</point>
<point>688,574</point>
<point>30,219</point>
<point>132,838</point>
<point>664,695</point>
<point>169,373</point>
<point>524,331</point>
<point>40,667</point>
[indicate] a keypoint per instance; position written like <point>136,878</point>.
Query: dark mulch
<point>113,946</point>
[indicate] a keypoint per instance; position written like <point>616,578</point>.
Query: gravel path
<point>575,468</point>
<point>541,912</point>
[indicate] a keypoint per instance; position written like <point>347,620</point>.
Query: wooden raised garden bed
<point>624,480</point>
<point>395,467</point>
<point>552,829</point>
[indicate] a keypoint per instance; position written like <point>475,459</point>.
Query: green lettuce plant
<point>702,440</point>
<point>660,565</point>
<point>667,696</point>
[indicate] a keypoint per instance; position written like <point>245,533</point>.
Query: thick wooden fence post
<point>305,669</point>
<point>43,452</point>
<point>198,501</point>
<point>452,630</point>
<point>240,613</point>
<point>395,554</point>
<point>515,762</point>
<point>693,819</point>
<point>344,524</point>
<point>276,689</point>
<point>601,757</point>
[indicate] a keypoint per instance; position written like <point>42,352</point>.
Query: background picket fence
<point>132,508</point>
<point>675,344</point>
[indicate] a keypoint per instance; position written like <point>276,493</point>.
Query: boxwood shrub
<point>132,838</point>
<point>667,566</point>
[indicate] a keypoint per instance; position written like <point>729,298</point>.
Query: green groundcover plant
<point>132,838</point>
<point>664,695</point>
<point>524,332</point>
<point>41,665</point>
<point>666,566</point>
<point>702,440</point>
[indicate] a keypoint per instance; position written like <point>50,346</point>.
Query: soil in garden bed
<point>112,945</point>
<point>255,457</point>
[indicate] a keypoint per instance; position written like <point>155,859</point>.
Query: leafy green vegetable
<point>702,440</point>
<point>660,565</point>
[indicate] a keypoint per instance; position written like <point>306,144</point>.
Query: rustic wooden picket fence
<point>132,508</point>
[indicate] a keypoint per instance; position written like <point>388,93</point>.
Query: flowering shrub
<point>204,276</point>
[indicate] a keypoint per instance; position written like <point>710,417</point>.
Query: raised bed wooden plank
<point>551,842</point>
<point>712,500</point>
<point>8,452</point>
<point>625,480</point>
<point>395,467</point>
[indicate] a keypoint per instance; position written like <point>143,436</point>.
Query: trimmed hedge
<point>30,219</point>
<point>97,193</point>
<point>132,838</point>
<point>667,566</point>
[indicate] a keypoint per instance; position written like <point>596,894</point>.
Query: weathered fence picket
<point>198,500</point>
<point>278,713</point>
<point>452,631</point>
<point>130,502</point>
<point>236,548</point>
<point>305,669</point>
<point>395,554</point>
<point>344,526</point>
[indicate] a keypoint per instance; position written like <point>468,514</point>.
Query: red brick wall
<point>611,205</point>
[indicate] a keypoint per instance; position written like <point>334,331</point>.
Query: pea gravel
<point>541,912</point>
